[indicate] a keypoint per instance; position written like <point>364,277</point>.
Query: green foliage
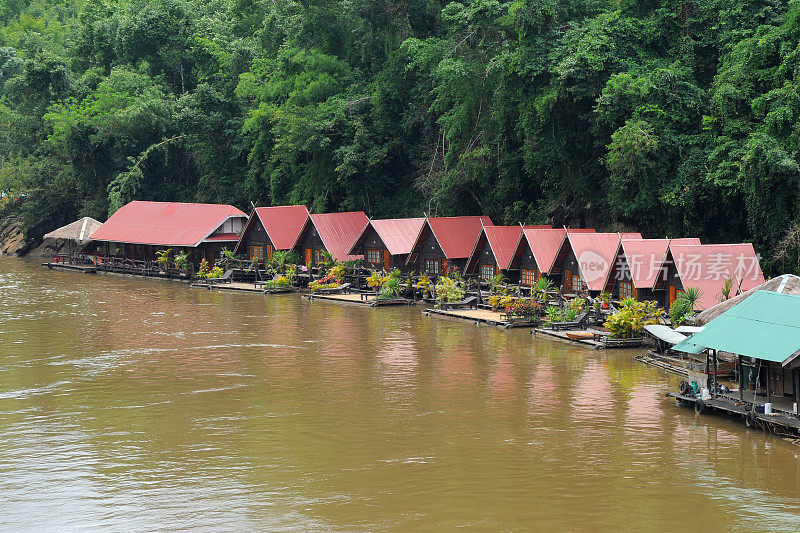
<point>448,290</point>
<point>631,318</point>
<point>670,120</point>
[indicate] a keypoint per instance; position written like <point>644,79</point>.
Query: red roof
<point>397,234</point>
<point>283,223</point>
<point>645,258</point>
<point>596,254</point>
<point>503,241</point>
<point>707,266</point>
<point>457,235</point>
<point>339,232</point>
<point>545,243</point>
<point>165,223</point>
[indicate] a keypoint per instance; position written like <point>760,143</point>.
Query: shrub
<point>523,307</point>
<point>447,290</point>
<point>631,319</point>
<point>554,314</point>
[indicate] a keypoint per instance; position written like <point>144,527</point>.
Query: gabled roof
<point>283,224</point>
<point>645,258</point>
<point>707,266</point>
<point>165,223</point>
<point>545,244</point>
<point>596,254</point>
<point>764,326</point>
<point>503,241</point>
<point>338,232</point>
<point>78,231</point>
<point>457,235</point>
<point>397,234</point>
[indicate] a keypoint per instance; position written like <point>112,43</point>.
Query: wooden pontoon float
<point>763,332</point>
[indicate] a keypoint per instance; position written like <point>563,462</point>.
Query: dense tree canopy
<point>672,118</point>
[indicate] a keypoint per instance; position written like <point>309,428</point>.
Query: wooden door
<point>672,295</point>
<point>308,256</point>
<point>567,281</point>
<point>270,249</point>
<point>444,266</point>
<point>387,260</point>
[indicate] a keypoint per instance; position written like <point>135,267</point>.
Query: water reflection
<point>140,404</point>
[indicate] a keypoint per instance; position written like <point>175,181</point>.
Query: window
<point>487,271</point>
<point>257,252</point>
<point>433,266</point>
<point>373,257</point>
<point>625,290</point>
<point>577,284</point>
<point>318,257</point>
<point>527,277</point>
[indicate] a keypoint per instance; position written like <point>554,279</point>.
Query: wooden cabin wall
<point>373,241</point>
<point>310,245</point>
<point>485,258</point>
<point>257,236</point>
<point>429,250</point>
<point>526,262</point>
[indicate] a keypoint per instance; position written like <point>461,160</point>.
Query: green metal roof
<point>766,325</point>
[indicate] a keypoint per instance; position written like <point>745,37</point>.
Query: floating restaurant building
<point>271,228</point>
<point>707,267</point>
<point>763,332</point>
<point>139,229</point>
<point>444,244</point>
<point>334,233</point>
<point>385,244</point>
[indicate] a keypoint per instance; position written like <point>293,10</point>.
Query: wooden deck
<point>602,343</point>
<point>88,269</point>
<point>479,316</point>
<point>368,300</point>
<point>232,286</point>
<point>781,419</point>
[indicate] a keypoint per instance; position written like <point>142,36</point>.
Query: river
<point>131,404</point>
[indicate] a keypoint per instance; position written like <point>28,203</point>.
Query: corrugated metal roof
<point>223,237</point>
<point>503,241</point>
<point>339,232</point>
<point>785,283</point>
<point>707,266</point>
<point>165,223</point>
<point>457,235</point>
<point>765,326</point>
<point>397,234</point>
<point>283,223</point>
<point>645,258</point>
<point>545,244</point>
<point>596,254</point>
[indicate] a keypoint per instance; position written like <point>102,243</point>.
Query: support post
<point>714,388</point>
<point>741,380</point>
<point>796,385</point>
<point>708,375</point>
<point>769,379</point>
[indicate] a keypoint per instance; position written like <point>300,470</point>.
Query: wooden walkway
<point>479,316</point>
<point>368,300</point>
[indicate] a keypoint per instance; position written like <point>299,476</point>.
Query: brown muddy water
<point>138,405</point>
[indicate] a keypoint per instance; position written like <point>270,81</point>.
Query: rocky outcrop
<point>12,238</point>
<point>51,247</point>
